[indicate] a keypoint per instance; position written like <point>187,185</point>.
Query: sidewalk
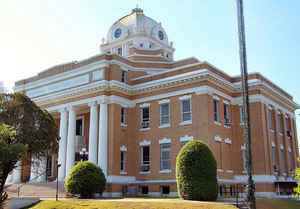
<point>18,203</point>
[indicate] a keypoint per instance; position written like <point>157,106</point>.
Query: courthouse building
<point>133,107</point>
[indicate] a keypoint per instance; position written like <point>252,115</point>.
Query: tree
<point>85,179</point>
<point>10,152</point>
<point>196,172</point>
<point>34,129</point>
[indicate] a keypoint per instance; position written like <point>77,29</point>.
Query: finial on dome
<point>137,9</point>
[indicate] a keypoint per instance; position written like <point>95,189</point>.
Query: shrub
<point>85,179</point>
<point>196,172</point>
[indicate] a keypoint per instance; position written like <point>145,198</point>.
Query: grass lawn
<point>277,204</point>
<point>131,204</point>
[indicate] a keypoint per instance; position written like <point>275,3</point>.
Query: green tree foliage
<point>10,152</point>
<point>196,172</point>
<point>85,179</point>
<point>33,129</point>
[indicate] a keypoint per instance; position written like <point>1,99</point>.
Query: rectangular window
<point>165,156</point>
<point>216,110</point>
<point>241,114</point>
<point>283,162</point>
<point>279,123</point>
<point>145,161</point>
<point>244,160</point>
<point>120,51</point>
<point>290,163</point>
<point>145,117</point>
<point>186,113</point>
<point>123,161</point>
<point>274,159</point>
<point>288,132</point>
<point>79,127</point>
<point>123,115</point>
<point>271,120</point>
<point>124,74</point>
<point>165,114</point>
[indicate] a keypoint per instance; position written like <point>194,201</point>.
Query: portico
<point>97,141</point>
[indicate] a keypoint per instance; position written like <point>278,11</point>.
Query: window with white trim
<point>216,110</point>
<point>226,114</point>
<point>274,161</point>
<point>120,51</point>
<point>145,117</point>
<point>290,162</point>
<point>123,161</point>
<point>244,159</point>
<point>241,114</point>
<point>145,158</point>
<point>123,115</point>
<point>271,124</point>
<point>124,75</point>
<point>164,114</point>
<point>186,110</point>
<point>165,156</point>
<point>282,161</point>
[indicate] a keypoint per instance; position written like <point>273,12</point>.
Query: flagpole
<point>246,107</point>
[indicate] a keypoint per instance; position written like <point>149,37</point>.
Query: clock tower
<point>136,35</point>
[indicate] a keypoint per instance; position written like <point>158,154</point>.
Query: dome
<point>136,23</point>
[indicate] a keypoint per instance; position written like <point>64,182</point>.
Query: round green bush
<point>85,179</point>
<point>196,172</point>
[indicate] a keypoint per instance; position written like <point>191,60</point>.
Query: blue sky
<point>35,34</point>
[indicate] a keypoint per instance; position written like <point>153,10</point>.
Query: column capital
<point>103,100</point>
<point>62,110</point>
<point>71,108</point>
<point>93,103</point>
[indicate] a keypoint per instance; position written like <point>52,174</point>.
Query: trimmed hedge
<point>85,179</point>
<point>196,172</point>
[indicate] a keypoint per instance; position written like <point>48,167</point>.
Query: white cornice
<point>62,76</point>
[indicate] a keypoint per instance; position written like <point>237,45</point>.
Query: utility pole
<point>246,107</point>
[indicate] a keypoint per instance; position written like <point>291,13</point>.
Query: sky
<point>36,35</point>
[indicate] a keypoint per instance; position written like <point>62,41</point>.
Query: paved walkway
<point>18,203</point>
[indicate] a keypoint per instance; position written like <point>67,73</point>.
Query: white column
<point>93,132</point>
<point>38,169</point>
<point>63,133</point>
<point>17,173</point>
<point>71,140</point>
<point>102,155</point>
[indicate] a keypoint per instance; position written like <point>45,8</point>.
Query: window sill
<point>229,171</point>
<point>165,126</point>
<point>220,170</point>
<point>188,122</point>
<point>145,172</point>
<point>227,126</point>
<point>144,129</point>
<point>123,125</point>
<point>165,171</point>
<point>244,172</point>
<point>217,123</point>
<point>123,172</point>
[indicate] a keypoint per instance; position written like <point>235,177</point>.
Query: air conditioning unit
<point>276,168</point>
<point>145,124</point>
<point>227,122</point>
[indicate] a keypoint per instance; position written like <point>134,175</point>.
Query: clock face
<point>161,35</point>
<point>118,33</point>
